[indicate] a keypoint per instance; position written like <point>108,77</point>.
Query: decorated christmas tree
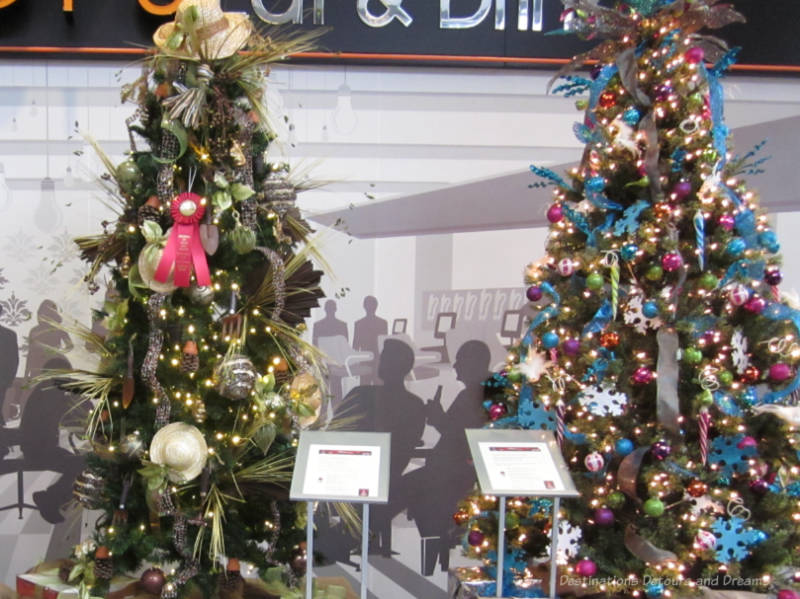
<point>203,381</point>
<point>662,354</point>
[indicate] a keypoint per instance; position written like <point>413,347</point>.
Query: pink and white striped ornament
<point>560,411</point>
<point>704,421</point>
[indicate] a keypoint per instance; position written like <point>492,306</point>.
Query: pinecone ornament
<point>150,210</point>
<point>103,567</point>
<point>190,361</point>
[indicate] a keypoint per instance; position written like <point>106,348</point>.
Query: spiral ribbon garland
<point>155,341</point>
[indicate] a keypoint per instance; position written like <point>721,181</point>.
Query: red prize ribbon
<point>183,247</point>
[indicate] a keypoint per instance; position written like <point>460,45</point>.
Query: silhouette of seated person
<point>366,332</point>
<point>391,408</point>
<point>329,326</point>
<point>448,475</point>
<point>45,339</point>
<point>39,434</point>
<point>9,362</point>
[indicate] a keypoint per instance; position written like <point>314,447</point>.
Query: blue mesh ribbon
<point>600,319</point>
<point>743,268</point>
<point>719,130</point>
<point>546,314</point>
<point>605,75</point>
<point>777,311</point>
<point>552,176</point>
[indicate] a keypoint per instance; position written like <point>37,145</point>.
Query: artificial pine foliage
<point>663,355</point>
<point>193,427</point>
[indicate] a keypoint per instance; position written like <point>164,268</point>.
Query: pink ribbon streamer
<point>183,249</point>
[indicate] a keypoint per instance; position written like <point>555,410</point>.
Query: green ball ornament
<point>654,273</point>
<point>692,355</point>
<point>512,520</point>
<point>653,507</point>
<point>705,399</point>
<point>514,376</point>
<point>594,281</point>
<point>725,377</point>
<point>582,104</point>
<point>710,155</point>
<point>708,281</point>
<point>616,499</point>
<point>129,176</point>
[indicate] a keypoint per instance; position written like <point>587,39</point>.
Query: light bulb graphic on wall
<point>344,117</point>
<point>5,192</point>
<point>47,216</point>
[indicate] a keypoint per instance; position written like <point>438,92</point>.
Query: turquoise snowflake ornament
<point>734,539</point>
<point>728,458</point>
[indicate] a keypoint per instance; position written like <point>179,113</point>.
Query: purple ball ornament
<point>755,305</point>
<point>534,293</point>
<point>586,568</point>
<point>780,372</point>
<point>555,213</point>
<point>475,537</point>
<point>681,190</point>
<point>759,486</point>
<point>739,294</point>
<point>642,376</point>
<point>594,462</point>
<point>726,221</point>
<point>497,411</point>
<point>565,267</point>
<point>671,261</point>
<point>705,540</point>
<point>572,346</point>
<point>603,517</point>
<point>660,450</point>
<point>694,55</point>
<point>746,442</point>
<point>773,275</point>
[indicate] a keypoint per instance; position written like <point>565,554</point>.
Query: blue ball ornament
<point>596,183</point>
<point>628,251</point>
<point>654,589</point>
<point>650,309</point>
<point>623,446</point>
<point>736,246</point>
<point>769,241</point>
<point>631,116</point>
<point>550,340</point>
<point>760,536</point>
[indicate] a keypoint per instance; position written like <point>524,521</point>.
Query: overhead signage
<point>490,32</point>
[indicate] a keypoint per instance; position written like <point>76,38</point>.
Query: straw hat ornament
<point>202,22</point>
<point>182,449</point>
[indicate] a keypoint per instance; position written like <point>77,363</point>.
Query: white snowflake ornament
<point>633,316</point>
<point>703,505</point>
<point>739,354</point>
<point>603,400</point>
<point>569,542</point>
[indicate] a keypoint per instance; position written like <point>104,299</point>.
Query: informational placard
<point>519,462</point>
<point>342,466</point>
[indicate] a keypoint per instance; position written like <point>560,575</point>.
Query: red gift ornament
<point>183,249</point>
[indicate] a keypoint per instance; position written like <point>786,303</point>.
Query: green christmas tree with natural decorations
<point>662,355</point>
<point>204,380</point>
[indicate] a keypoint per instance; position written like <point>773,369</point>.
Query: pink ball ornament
<point>565,267</point>
<point>642,375</point>
<point>746,442</point>
<point>671,262</point>
<point>694,55</point>
<point>755,305</point>
<point>705,539</point>
<point>738,294</point>
<point>726,221</point>
<point>786,594</point>
<point>555,213</point>
<point>780,372</point>
<point>594,462</point>
<point>586,568</point>
<point>497,411</point>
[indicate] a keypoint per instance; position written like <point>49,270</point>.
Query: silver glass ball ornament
<point>236,377</point>
<point>202,296</point>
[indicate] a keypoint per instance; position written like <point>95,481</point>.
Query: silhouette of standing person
<point>45,338</point>
<point>9,362</point>
<point>391,408</point>
<point>366,332</point>
<point>448,474</point>
<point>42,418</point>
<point>329,326</point>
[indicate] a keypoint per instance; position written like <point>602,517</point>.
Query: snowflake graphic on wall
<point>40,279</point>
<point>19,247</point>
<point>62,248</point>
<point>15,311</point>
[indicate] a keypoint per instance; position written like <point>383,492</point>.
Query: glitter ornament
<point>586,568</point>
<point>681,190</point>
<point>692,355</point>
<point>152,581</point>
<point>654,273</point>
<point>497,411</point>
<point>565,267</point>
<point>654,589</point>
<point>773,275</point>
<point>461,517</point>
<point>697,488</point>
<point>631,116</point>
<point>694,55</point>
<point>653,507</point>
<point>738,294</point>
<point>594,462</point>
<point>671,261</point>
<point>628,251</point>
<point>555,213</point>
<point>595,184</point>
<point>603,517</point>
<point>780,372</point>
<point>609,339</point>
<point>726,221</point>
<point>650,309</point>
<point>616,499</point>
<point>595,281</point>
<point>705,540</point>
<point>660,450</point>
<point>751,374</point>
<point>708,281</point>
<point>475,537</point>
<point>642,375</point>
<point>202,296</point>
<point>735,247</point>
<point>236,377</point>
<point>607,99</point>
<point>534,293</point>
<point>572,346</point>
<point>759,486</point>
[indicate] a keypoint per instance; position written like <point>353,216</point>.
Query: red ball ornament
<point>694,55</point>
<point>461,517</point>
<point>755,305</point>
<point>152,581</point>
<point>497,411</point>
<point>555,213</point>
<point>780,372</point>
<point>607,99</point>
<point>662,211</point>
<point>751,374</point>
<point>642,375</point>
<point>609,339</point>
<point>671,261</point>
<point>586,568</point>
<point>697,488</point>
